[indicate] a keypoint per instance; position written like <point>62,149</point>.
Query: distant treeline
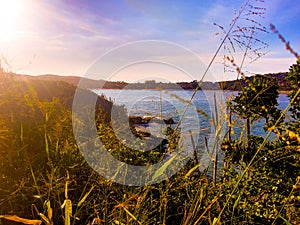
<point>232,85</point>
<point>236,85</point>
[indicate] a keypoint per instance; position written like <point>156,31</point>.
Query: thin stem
<point>211,62</point>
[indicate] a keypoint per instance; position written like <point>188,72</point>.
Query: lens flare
<point>9,18</point>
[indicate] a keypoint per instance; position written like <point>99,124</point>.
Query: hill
<point>233,85</point>
<point>20,91</point>
<point>74,80</point>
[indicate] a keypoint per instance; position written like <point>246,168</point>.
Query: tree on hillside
<point>258,99</point>
<point>294,78</point>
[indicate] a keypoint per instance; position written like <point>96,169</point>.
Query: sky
<point>75,37</point>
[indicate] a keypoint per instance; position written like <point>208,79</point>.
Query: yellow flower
<point>278,134</point>
<point>273,128</point>
<point>226,117</point>
<point>283,138</point>
<point>225,146</point>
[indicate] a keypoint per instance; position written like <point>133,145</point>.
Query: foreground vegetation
<point>43,176</point>
<point>42,169</point>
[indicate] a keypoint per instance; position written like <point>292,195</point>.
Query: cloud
<point>69,37</point>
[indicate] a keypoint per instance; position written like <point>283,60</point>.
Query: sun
<point>9,18</point>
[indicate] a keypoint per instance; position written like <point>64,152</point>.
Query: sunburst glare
<point>9,18</point>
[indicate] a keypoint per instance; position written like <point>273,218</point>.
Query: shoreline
<point>167,89</point>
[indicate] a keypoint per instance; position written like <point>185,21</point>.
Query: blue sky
<point>66,37</point>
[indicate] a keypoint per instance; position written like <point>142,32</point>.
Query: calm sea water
<point>172,103</point>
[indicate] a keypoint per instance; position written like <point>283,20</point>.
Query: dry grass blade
<point>44,219</point>
<point>118,222</point>
<point>85,196</point>
<point>49,210</point>
<point>200,111</point>
<point>131,215</point>
<point>207,209</point>
<point>216,221</point>
<point>68,211</point>
<point>192,170</point>
<point>67,203</point>
<point>20,220</point>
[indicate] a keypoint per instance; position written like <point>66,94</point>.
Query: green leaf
<point>163,168</point>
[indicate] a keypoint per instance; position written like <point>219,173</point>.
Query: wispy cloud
<point>65,37</point>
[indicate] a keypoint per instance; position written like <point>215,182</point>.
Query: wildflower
<point>273,128</point>
<point>225,147</point>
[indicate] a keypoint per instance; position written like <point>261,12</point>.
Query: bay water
<point>197,118</point>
